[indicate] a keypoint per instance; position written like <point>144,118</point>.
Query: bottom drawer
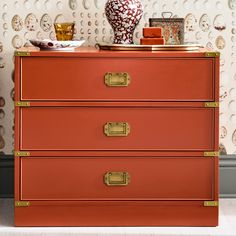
<point>117,178</point>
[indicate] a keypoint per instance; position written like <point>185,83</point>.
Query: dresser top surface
<point>93,52</point>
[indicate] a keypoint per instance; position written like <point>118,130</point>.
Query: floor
<point>227,226</point>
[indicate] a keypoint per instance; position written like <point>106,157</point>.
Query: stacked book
<point>152,36</point>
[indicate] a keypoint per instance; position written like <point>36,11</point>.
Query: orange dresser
<point>116,138</point>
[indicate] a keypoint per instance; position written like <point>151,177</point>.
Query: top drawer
<point>83,79</point>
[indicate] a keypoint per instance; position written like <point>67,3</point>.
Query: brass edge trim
<point>22,154</point>
<point>211,203</point>
<point>211,154</point>
<point>22,104</point>
<point>212,104</point>
<point>21,54</point>
<point>22,204</point>
<point>212,54</point>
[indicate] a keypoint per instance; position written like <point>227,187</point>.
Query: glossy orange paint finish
<point>69,153</point>
<point>116,213</point>
<point>151,79</point>
<point>82,128</point>
<point>149,178</point>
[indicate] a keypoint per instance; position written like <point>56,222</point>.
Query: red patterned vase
<point>123,16</point>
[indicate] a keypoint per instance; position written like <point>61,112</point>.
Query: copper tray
<point>134,47</point>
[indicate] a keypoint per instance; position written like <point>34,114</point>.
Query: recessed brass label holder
<point>116,129</point>
<point>121,79</point>
<point>116,178</point>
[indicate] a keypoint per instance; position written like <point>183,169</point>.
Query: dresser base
<point>116,213</point>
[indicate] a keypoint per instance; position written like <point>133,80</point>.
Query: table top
<point>95,52</point>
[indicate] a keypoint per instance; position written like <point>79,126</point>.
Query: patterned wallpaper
<point>209,22</point>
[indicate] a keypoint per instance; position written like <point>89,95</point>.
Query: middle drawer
<point>117,128</point>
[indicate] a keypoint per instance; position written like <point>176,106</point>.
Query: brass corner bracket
<point>22,204</point>
<point>211,154</point>
<point>22,104</point>
<point>212,104</point>
<point>22,53</point>
<point>212,54</point>
<point>211,203</point>
<point>22,154</point>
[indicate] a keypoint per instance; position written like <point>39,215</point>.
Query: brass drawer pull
<point>117,79</point>
<point>116,178</point>
<point>116,129</point>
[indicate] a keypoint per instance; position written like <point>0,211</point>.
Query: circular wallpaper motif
<point>219,22</point>
<point>17,23</point>
<point>232,4</point>
<point>190,22</point>
<point>17,42</point>
<point>46,23</point>
<point>31,22</point>
<point>220,42</point>
<point>205,23</point>
<point>223,132</point>
<point>73,4</point>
